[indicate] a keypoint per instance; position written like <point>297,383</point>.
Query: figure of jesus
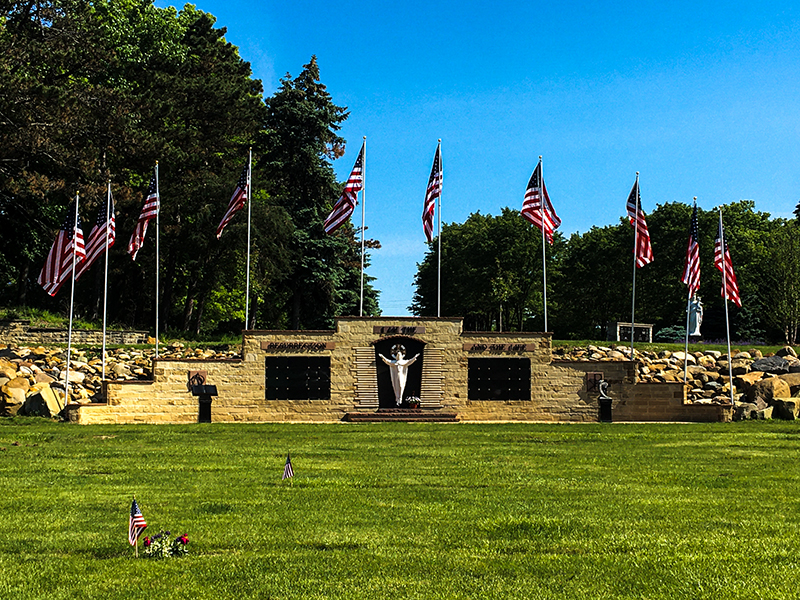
<point>695,316</point>
<point>398,368</point>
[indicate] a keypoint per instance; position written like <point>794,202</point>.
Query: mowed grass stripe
<point>403,510</point>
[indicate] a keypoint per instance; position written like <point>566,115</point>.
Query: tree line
<point>492,275</point>
<point>92,91</point>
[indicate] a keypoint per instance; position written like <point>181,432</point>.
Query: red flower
<point>147,542</point>
<point>183,539</point>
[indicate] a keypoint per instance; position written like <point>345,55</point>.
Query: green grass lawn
<point>403,510</point>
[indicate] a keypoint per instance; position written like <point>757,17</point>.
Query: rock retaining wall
<point>20,333</point>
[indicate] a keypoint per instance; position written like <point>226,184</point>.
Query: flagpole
<point>249,212</point>
<point>71,297</point>
<point>544,250</point>
<point>158,213</point>
<point>439,232</point>
<point>725,300</point>
<point>635,258</point>
<point>686,345</point>
<point>105,278</point>
<point>363,210</point>
<point>688,308</point>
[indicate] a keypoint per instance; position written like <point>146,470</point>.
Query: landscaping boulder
<point>709,362</point>
<point>743,382</point>
<point>11,400</point>
<point>42,377</point>
<point>786,351</point>
<point>786,409</point>
<point>776,365</point>
<point>41,402</point>
<point>740,366</point>
<point>744,411</point>
<point>74,376</point>
<point>681,356</point>
<point>19,382</point>
<point>765,390</point>
<point>763,414</point>
<point>793,380</point>
<point>7,368</point>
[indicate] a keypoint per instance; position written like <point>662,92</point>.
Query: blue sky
<point>702,98</point>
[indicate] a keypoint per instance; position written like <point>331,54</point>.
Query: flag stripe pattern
<point>57,268</point>
<point>237,202</point>
<point>287,468</point>
<point>643,250</point>
<point>432,194</point>
<point>96,242</point>
<point>691,271</point>
<point>136,524</point>
<point>723,262</point>
<point>537,208</point>
<point>149,211</point>
<point>346,204</point>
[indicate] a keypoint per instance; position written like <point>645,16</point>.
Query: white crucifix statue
<point>398,368</point>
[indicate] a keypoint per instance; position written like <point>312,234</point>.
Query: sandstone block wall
<point>558,390</point>
<point>664,402</point>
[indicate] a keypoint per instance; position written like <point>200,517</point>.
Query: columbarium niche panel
<point>499,378</point>
<point>298,378</point>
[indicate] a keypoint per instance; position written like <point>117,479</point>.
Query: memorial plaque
<point>593,380</point>
<point>297,346</point>
<point>499,348</point>
<point>397,330</point>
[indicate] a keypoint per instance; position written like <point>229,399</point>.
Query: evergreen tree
<point>299,142</point>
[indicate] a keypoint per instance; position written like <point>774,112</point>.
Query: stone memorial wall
<point>324,376</point>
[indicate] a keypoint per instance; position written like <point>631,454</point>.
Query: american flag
<point>722,260</point>
<point>691,272</point>
<point>149,211</point>
<point>643,250</point>
<point>58,267</point>
<point>287,468</point>
<point>433,192</point>
<point>346,204</point>
<point>96,242</point>
<point>541,214</point>
<point>136,524</point>
<point>237,201</point>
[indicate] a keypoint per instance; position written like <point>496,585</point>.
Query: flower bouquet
<point>413,402</point>
<point>161,546</point>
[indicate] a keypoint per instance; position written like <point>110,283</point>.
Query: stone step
<point>406,415</point>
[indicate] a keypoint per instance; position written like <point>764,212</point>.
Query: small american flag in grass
<point>136,524</point>
<point>287,468</point>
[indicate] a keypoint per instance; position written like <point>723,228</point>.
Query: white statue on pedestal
<point>695,316</point>
<point>398,368</point>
